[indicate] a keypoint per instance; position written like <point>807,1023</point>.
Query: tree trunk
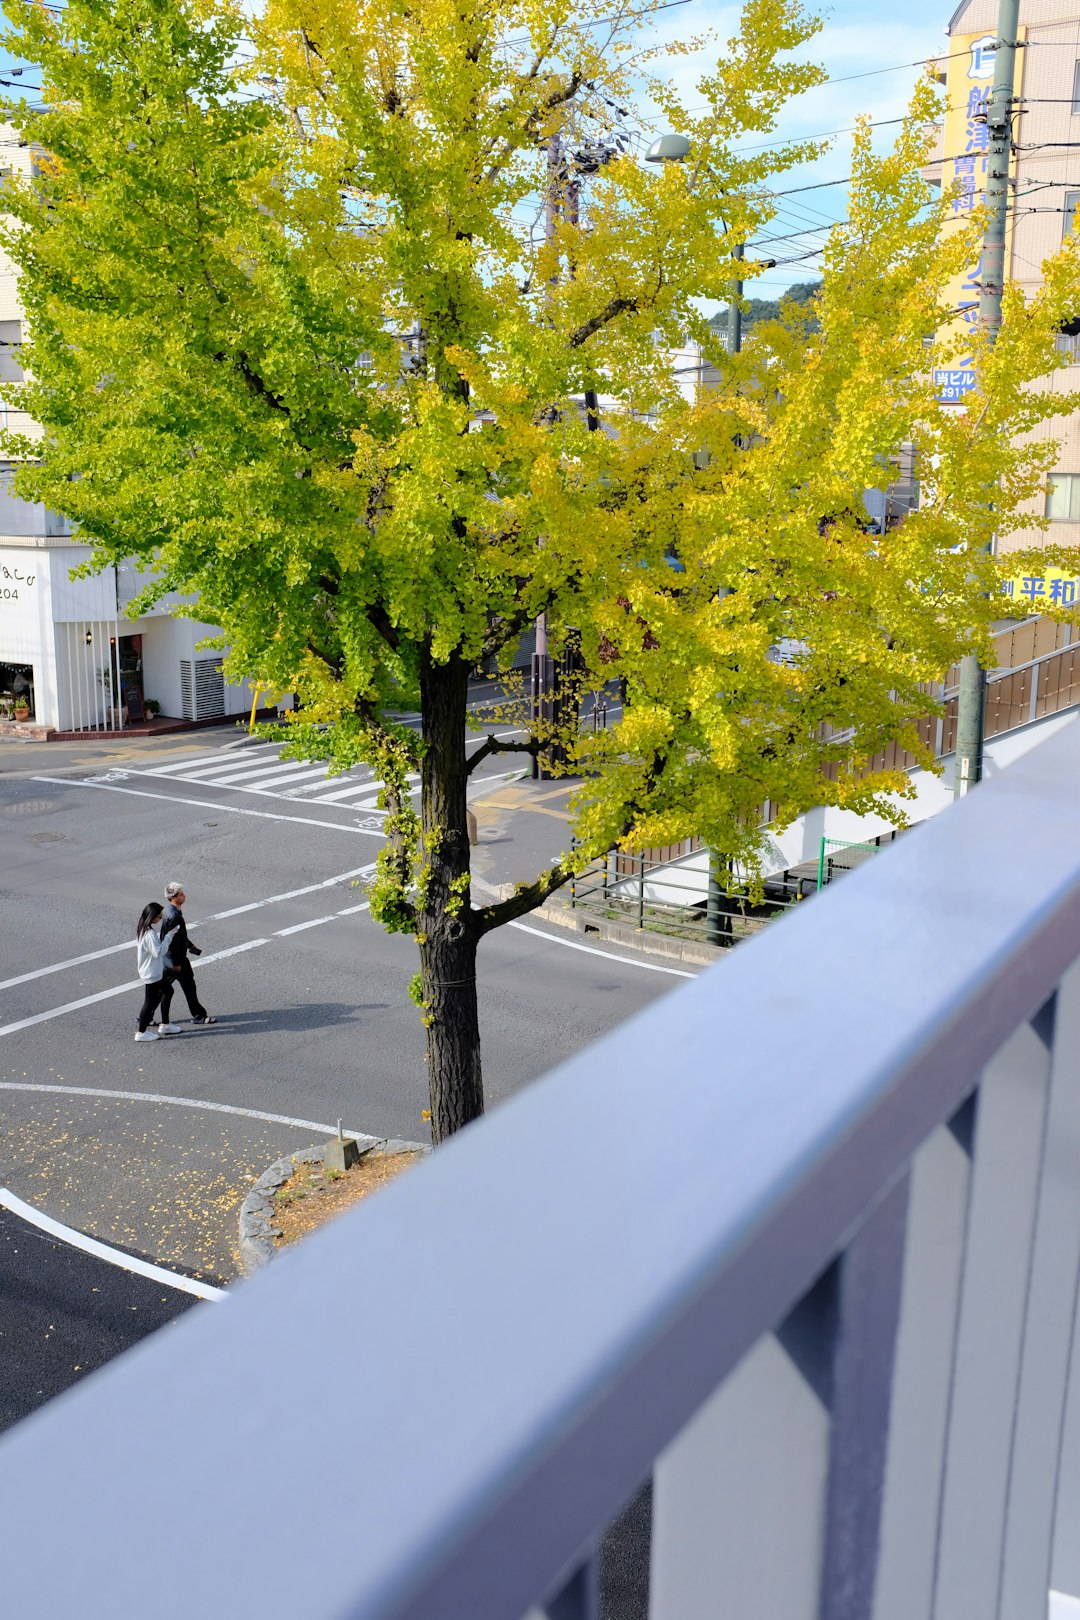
<point>448,939</point>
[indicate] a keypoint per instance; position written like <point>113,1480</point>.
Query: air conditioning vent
<point>202,689</point>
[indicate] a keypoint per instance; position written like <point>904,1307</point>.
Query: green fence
<point>838,855</point>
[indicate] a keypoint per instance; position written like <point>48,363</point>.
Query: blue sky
<point>857,42</point>
<point>864,46</point>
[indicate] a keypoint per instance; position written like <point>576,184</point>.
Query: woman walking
<point>150,950</point>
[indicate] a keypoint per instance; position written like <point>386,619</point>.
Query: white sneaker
<point>168,1029</point>
<point>146,1035</point>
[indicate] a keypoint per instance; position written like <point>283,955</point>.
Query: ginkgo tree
<point>277,267</point>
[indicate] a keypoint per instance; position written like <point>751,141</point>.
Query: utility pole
<point>717,915</point>
<point>971,698</point>
<point>543,665</point>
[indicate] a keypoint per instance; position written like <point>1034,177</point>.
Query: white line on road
<point>216,916</point>
<point>298,928</point>
<point>209,759</point>
<point>573,945</point>
<point>116,990</point>
<point>136,984</point>
<point>208,804</point>
<point>105,1251</point>
<point>180,1102</point>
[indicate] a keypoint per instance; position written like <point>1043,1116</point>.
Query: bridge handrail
<point>434,1406</point>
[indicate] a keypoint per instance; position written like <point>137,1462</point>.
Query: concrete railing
<point>789,1262</point>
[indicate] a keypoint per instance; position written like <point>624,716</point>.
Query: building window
<point>1069,347</point>
<point>1063,497</point>
<point>16,691</point>
<point>25,519</point>
<point>11,341</point>
<point>1076,88</point>
<point>1072,199</point>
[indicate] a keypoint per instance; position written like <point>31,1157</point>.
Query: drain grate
<point>46,838</point>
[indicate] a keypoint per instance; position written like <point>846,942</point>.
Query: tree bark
<point>448,938</point>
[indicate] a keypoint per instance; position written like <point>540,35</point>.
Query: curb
<point>636,939</point>
<point>257,1229</point>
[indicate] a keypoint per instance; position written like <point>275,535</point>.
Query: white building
<point>70,659</point>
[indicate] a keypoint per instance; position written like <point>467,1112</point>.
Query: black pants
<point>157,994</point>
<point>184,977</point>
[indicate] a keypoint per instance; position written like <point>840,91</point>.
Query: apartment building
<point>1045,196</point>
<point>70,657</point>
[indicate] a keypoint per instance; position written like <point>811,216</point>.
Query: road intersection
<point>151,1147</point>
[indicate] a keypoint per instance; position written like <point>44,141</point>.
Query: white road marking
<point>210,759</point>
<point>298,928</point>
<point>105,1251</point>
<point>216,916</point>
<point>208,804</point>
<point>573,945</point>
<point>180,1102</point>
<point>370,786</point>
<point>279,770</point>
<point>116,990</point>
<point>360,776</point>
<point>136,984</point>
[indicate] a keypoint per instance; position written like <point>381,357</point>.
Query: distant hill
<point>768,309</point>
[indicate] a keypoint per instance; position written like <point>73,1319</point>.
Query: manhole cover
<point>46,838</point>
<point>31,807</point>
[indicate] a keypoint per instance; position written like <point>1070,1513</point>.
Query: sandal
<point>207,1020</point>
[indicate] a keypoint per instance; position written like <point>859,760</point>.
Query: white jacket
<point>150,954</point>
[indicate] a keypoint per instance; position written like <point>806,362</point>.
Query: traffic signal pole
<point>971,698</point>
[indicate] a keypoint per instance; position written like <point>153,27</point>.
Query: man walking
<point>174,931</point>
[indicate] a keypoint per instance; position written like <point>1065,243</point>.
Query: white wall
<point>688,878</point>
<point>26,622</point>
<point>166,642</point>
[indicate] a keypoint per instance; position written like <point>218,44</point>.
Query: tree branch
<point>493,745</point>
<point>525,898</point>
<point>617,307</point>
<point>379,620</point>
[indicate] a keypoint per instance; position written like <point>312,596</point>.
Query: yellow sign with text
<point>1032,593</point>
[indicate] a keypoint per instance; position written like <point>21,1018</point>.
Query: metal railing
<point>799,1245</point>
<point>653,893</point>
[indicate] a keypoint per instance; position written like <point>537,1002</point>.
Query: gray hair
<point>172,890</point>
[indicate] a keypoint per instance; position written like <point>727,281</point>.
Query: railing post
<point>868,1313</point>
<point>641,894</point>
<point>1007,1168</point>
<point>580,1597</point>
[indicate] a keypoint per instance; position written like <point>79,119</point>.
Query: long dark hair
<point>150,915</point>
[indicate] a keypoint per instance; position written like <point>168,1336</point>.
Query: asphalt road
<point>64,1313</point>
<point>152,1146</point>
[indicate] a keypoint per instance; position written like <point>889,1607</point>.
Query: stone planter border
<point>257,1229</point>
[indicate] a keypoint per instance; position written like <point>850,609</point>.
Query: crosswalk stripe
<point>279,772</point>
<point>307,790</point>
<point>373,788</point>
<point>211,759</point>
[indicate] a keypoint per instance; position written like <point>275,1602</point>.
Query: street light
<point>668,149</point>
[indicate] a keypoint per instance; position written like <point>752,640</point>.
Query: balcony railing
<point>789,1261</point>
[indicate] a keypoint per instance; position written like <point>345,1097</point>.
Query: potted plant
<point>22,709</point>
<point>152,707</point>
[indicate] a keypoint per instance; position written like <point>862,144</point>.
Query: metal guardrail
<point>646,892</point>
<point>799,1243</point>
